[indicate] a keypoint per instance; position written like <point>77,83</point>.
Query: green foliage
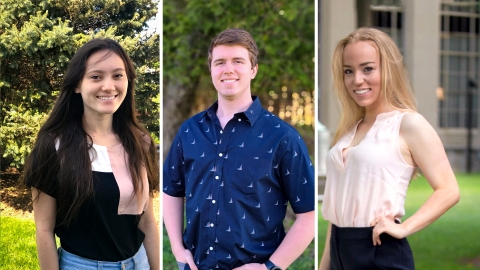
<point>433,247</point>
<point>37,39</point>
<point>284,32</point>
<point>18,132</point>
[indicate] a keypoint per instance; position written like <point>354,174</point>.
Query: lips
<point>106,97</point>
<point>362,91</point>
<point>229,80</point>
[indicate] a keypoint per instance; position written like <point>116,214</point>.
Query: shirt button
<point>211,248</point>
<point>211,225</point>
<point>220,154</point>
<point>221,131</point>
<point>239,119</point>
<point>213,201</point>
<point>217,177</point>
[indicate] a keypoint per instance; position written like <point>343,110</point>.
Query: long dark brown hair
<point>70,165</point>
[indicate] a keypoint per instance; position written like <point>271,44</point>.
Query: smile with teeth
<point>107,98</point>
<point>230,80</point>
<point>362,91</point>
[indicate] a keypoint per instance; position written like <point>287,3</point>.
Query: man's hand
<point>186,256</point>
<point>252,266</point>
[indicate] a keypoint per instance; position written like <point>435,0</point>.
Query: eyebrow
<point>362,64</point>
<point>223,59</point>
<point>102,71</point>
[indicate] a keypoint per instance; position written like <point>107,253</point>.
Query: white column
<point>422,53</point>
<point>338,18</point>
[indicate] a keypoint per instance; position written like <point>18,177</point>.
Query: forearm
<point>47,250</point>
<point>437,204</point>
<point>296,241</point>
<point>173,219</point>
<point>152,245</point>
<point>325,262</point>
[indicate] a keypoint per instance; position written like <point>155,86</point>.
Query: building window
<point>459,63</point>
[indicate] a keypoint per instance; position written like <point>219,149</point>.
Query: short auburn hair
<point>235,36</point>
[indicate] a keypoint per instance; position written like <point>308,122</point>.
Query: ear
<point>77,89</point>
<point>254,71</point>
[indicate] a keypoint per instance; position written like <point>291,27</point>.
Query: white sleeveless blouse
<point>372,180</point>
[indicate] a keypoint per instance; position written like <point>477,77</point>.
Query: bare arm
<point>173,219</point>
<point>149,227</point>
<point>325,262</point>
<point>44,212</point>
<point>293,245</point>
<point>428,153</point>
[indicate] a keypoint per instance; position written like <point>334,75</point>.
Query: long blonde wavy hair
<point>395,85</point>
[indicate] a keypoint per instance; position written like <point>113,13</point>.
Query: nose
<point>359,78</point>
<point>228,68</point>
<point>108,84</point>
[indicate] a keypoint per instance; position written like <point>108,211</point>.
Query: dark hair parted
<point>70,165</point>
<point>235,36</point>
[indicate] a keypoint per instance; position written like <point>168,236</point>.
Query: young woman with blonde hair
<point>380,142</point>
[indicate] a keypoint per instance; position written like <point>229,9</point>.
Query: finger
<point>376,236</point>
<point>189,259</point>
<point>373,222</point>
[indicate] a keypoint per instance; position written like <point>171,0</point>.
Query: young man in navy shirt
<point>237,166</point>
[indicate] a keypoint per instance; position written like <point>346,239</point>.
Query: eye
<point>368,69</point>
<point>118,76</point>
<point>347,71</point>
<point>218,63</point>
<point>95,77</point>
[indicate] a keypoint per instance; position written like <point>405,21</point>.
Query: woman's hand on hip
<point>386,225</point>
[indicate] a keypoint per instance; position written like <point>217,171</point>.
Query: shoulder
<point>414,122</point>
<point>415,128</point>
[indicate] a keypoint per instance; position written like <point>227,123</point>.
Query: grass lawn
<point>18,249</point>
<point>451,242</point>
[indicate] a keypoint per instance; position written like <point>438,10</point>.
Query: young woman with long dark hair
<point>94,168</point>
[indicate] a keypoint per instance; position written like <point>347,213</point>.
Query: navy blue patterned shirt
<point>237,182</point>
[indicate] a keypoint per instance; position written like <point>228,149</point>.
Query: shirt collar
<point>252,113</point>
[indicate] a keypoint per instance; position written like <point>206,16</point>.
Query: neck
<point>228,108</point>
<point>371,113</point>
<point>95,125</point>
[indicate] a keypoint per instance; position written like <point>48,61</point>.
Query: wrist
<point>269,265</point>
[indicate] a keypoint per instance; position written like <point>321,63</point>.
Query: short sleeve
<point>297,173</point>
<point>173,169</point>
<point>43,172</point>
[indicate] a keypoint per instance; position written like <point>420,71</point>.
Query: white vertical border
<point>316,95</point>
<point>160,136</point>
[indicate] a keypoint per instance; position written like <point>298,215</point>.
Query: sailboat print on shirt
<point>243,245</point>
<point>270,151</point>
<point>268,218</point>
<point>226,156</point>
<point>270,190</point>
<point>218,213</point>
<point>214,169</point>
<point>298,199</point>
<point>229,257</point>
<point>222,184</point>
<point>201,182</point>
<point>209,197</point>
<point>295,154</point>
<point>251,185</point>
<point>229,230</point>
<point>186,131</point>
<point>208,130</point>
<point>276,203</point>
<point>190,195</point>
<point>261,136</point>
<point>233,130</point>
<point>305,180</point>
<point>196,210</point>
<point>215,143</point>
<point>193,141</point>
<point>262,245</point>
<point>258,206</point>
<point>255,157</point>
<point>276,166</point>
<point>253,231</point>
<point>277,126</point>
<point>243,216</point>
<point>231,200</point>
<point>203,154</point>
<point>241,145</point>
<point>288,172</point>
<point>239,168</point>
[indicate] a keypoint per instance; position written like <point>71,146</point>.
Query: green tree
<point>37,39</point>
<point>284,32</point>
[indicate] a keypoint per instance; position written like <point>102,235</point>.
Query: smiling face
<point>104,84</point>
<point>232,71</point>
<point>362,74</point>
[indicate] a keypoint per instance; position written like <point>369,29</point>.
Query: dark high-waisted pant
<point>353,249</point>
